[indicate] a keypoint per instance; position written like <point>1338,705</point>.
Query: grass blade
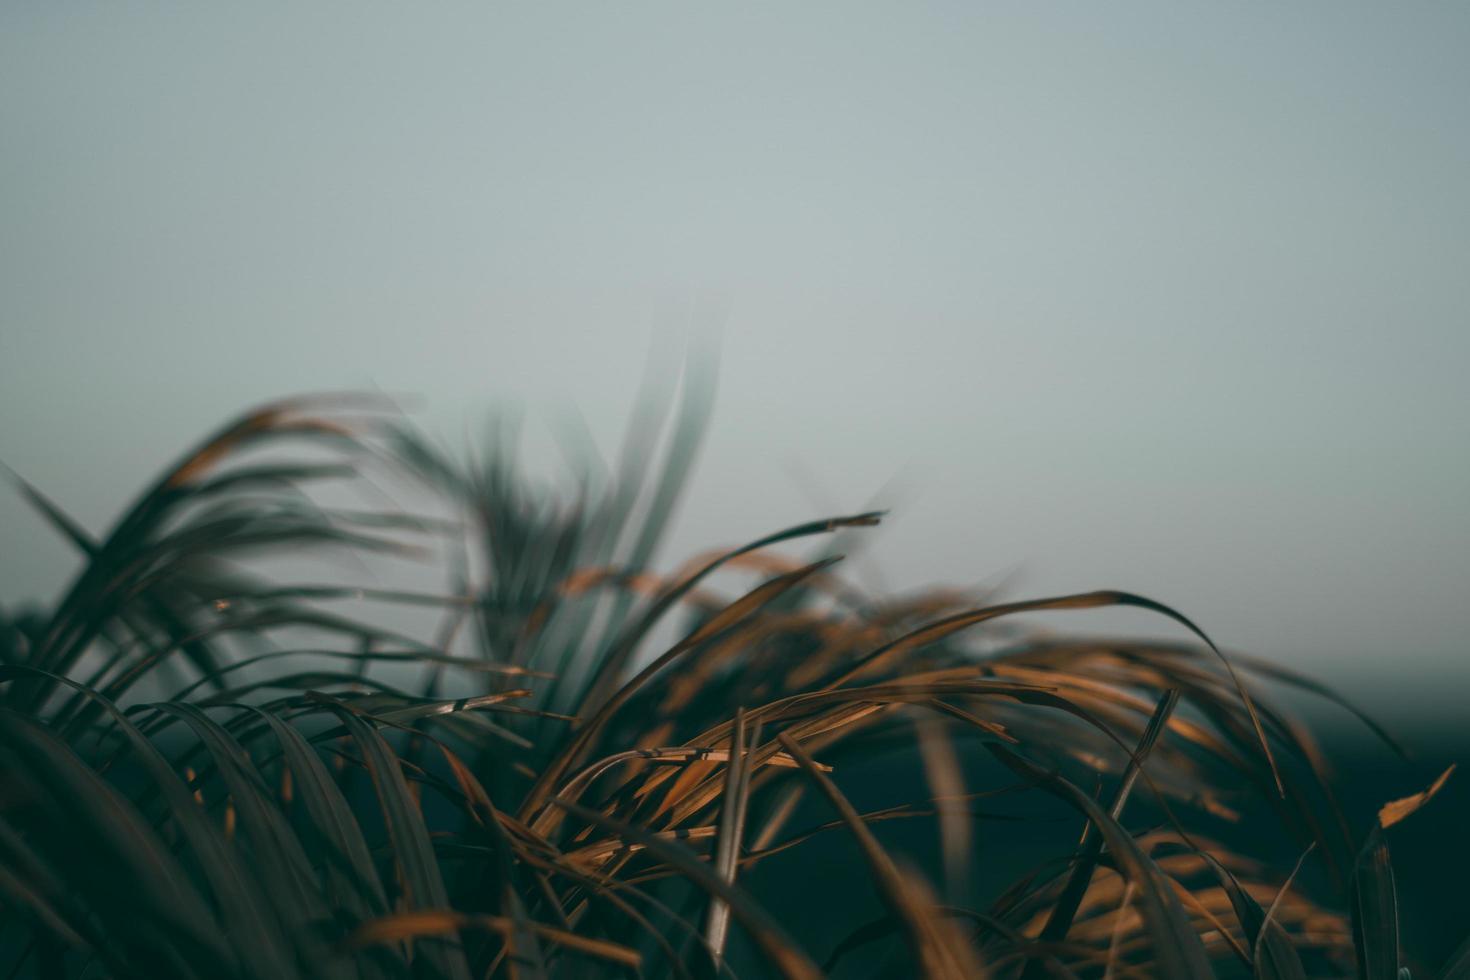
<point>939,951</point>
<point>731,831</point>
<point>412,851</point>
<point>1176,945</point>
<point>768,934</point>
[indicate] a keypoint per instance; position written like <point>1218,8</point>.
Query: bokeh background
<point>1164,297</point>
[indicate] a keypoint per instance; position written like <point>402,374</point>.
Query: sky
<point>1164,297</point>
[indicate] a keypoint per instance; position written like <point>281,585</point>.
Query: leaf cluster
<point>587,768</point>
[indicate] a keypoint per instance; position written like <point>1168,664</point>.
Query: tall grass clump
<point>561,762</point>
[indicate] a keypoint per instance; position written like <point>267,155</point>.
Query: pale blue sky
<point>1168,297</point>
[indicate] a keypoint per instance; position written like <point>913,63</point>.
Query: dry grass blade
<point>522,949</point>
<point>583,740</point>
<point>939,950</point>
<point>947,787</point>
<point>1062,914</point>
<point>612,666</point>
<point>1391,813</point>
<point>767,933</point>
<point>445,922</point>
<point>1176,945</point>
<point>1273,956</point>
<point>731,830</point>
<point>934,632</point>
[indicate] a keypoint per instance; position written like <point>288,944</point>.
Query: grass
<point>577,767</point>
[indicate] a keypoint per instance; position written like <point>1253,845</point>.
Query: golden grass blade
<point>1177,946</point>
<point>602,683</point>
<point>939,950</point>
<point>573,753</point>
<point>1392,813</point>
<point>673,756</point>
<point>1088,600</point>
<point>768,934</point>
